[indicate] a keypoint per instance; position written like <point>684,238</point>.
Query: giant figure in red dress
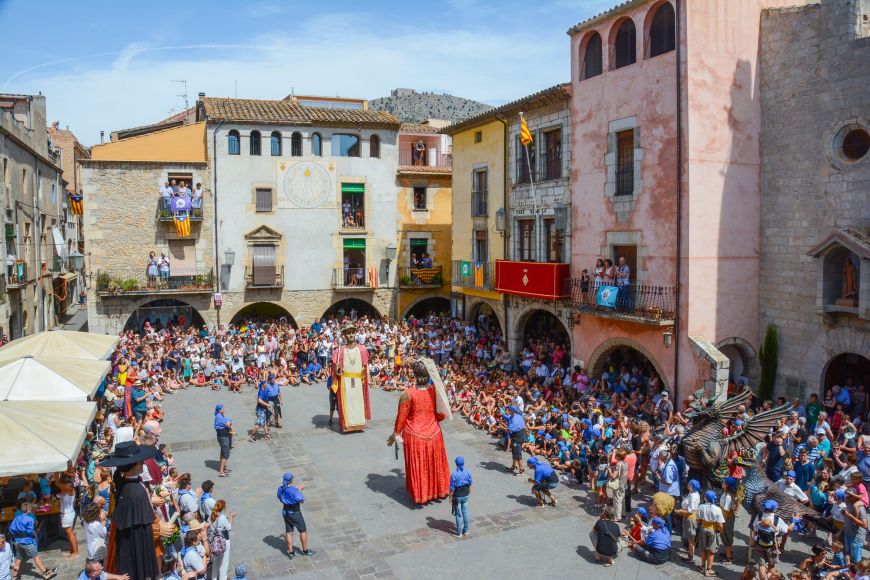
<point>421,408</point>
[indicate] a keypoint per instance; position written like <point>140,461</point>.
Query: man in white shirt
<point>5,558</point>
<point>789,487</point>
<point>689,512</point>
<point>710,523</point>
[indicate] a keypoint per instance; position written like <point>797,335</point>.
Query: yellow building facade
<point>478,215</point>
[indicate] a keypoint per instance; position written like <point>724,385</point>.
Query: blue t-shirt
<point>139,405</point>
<point>459,478</point>
<point>273,390</point>
<point>23,529</point>
<point>542,472</point>
<point>220,421</point>
<point>290,495</point>
<point>516,423</point>
<point>658,539</point>
<point>263,393</point>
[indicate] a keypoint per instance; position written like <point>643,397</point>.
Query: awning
<point>59,242</point>
<point>353,188</point>
<point>69,342</point>
<point>354,244</point>
<point>68,277</point>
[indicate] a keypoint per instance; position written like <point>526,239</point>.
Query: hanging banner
<point>182,225</point>
<point>76,206</point>
<point>465,269</point>
<point>606,296</point>
<point>180,204</point>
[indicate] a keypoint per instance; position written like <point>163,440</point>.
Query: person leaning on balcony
<point>623,273</point>
<point>165,194</point>
<point>609,272</point>
<point>196,203</point>
<point>163,265</point>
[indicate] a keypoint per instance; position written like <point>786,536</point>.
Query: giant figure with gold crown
<point>349,387</point>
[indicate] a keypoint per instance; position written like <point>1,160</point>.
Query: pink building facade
<point>682,212</point>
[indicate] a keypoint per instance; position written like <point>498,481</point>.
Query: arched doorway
<point>624,352</point>
<point>162,312</point>
<point>847,369</point>
<point>485,318</point>
<point>744,364</point>
<point>428,306</point>
<point>352,307</point>
<point>263,312</point>
<point>543,325</point>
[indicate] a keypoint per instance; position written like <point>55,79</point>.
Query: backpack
<point>766,537</point>
<point>216,540</point>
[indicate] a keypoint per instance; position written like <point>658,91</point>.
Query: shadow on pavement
<point>212,464</point>
<point>587,554</point>
<point>277,542</point>
<point>494,466</point>
<point>524,499</point>
<point>440,525</point>
<point>322,422</point>
<point>392,486</point>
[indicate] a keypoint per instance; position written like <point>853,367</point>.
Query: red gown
<point>427,473</point>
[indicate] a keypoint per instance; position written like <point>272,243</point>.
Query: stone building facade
<point>815,192</point>
<point>32,204</point>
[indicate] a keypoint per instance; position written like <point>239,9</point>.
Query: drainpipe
<point>679,237</point>
<point>37,238</point>
<point>507,229</point>
<point>215,210</point>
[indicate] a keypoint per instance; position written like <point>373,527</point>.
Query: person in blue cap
<point>710,524</point>
<point>689,512</point>
<point>223,426</point>
<point>768,528</point>
<point>730,506</point>
<point>291,499</point>
<point>460,488</point>
<point>545,480</point>
<point>263,411</point>
<point>517,432</point>
<point>655,548</point>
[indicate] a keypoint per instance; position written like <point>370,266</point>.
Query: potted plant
<point>404,280</point>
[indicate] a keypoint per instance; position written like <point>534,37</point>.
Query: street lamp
<point>229,257</point>
<point>668,337</point>
<point>391,252</point>
<point>500,221</point>
<point>76,260</point>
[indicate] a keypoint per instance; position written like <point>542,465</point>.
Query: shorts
<point>262,416</point>
<point>690,529</point>
<point>25,552</point>
<point>544,486</point>
<point>224,442</point>
<point>294,520</point>
<point>769,554</point>
<point>164,274</point>
<point>139,415</point>
<point>67,519</point>
<point>707,540</point>
<point>517,439</point>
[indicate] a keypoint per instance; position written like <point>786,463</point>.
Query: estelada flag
<point>182,225</point>
<point>525,134</point>
<point>478,275</point>
<point>75,204</point>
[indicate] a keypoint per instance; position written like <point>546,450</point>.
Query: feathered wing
<point>789,507</point>
<point>727,409</point>
<point>756,428</point>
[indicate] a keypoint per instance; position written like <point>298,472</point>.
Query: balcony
<point>639,303</point>
<point>353,221</point>
<point>19,275</point>
<point>166,213</point>
<point>354,279</point>
<point>429,160</point>
<point>137,283</point>
<point>478,203</point>
<point>540,280</point>
<point>264,277</point>
<point>470,275</point>
<point>420,277</point>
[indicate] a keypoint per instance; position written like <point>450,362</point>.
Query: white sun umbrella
<point>68,343</point>
<point>41,436</point>
<point>50,378</point>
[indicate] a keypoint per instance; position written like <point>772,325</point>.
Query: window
<point>527,240</point>
<point>856,144</point>
<point>182,258</point>
<point>256,140</point>
<point>525,162</point>
<point>264,264</point>
<point>264,200</point>
<point>374,146</point>
<point>630,255</point>
<point>420,198</point>
<point>478,136</point>
<point>591,66</point>
<point>419,250</point>
<point>478,193</point>
<point>344,145</point>
<point>233,145</point>
<point>296,144</point>
<point>625,162</point>
<point>276,143</point>
<point>554,241</point>
<point>316,145</point>
<point>481,247</point>
<point>624,51</point>
<point>662,31</point>
<point>353,205</point>
<point>551,158</point>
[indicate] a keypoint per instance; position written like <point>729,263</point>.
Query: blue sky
<point>109,65</point>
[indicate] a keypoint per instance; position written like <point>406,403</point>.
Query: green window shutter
<point>419,242</point>
<point>353,188</point>
<point>354,244</point>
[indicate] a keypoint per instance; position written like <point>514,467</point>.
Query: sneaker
<point>50,573</point>
<point>457,534</point>
<point>308,552</point>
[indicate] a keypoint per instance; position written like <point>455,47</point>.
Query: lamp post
<point>229,257</point>
<point>76,260</point>
<point>391,252</point>
<point>500,221</point>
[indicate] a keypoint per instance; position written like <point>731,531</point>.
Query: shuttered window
<point>264,200</point>
<point>182,258</point>
<point>264,265</point>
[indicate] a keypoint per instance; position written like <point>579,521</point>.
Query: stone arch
<point>524,316</point>
<point>439,303</point>
<point>861,363</point>
<point>162,310</point>
<point>262,311</point>
<point>745,363</point>
<point>596,362</point>
<point>472,310</point>
<point>836,341</point>
<point>362,306</point>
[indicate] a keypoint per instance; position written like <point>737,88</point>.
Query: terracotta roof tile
<point>291,113</point>
<point>560,92</point>
<point>424,169</point>
<point>419,128</point>
<point>603,15</point>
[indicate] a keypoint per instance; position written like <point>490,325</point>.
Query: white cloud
<point>330,54</point>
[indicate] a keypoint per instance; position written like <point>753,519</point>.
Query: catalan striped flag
<point>525,134</point>
<point>76,206</point>
<point>182,225</point>
<point>478,275</point>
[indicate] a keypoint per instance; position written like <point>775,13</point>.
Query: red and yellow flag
<point>182,225</point>
<point>76,206</point>
<point>525,134</point>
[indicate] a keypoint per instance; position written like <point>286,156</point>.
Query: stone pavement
<point>360,521</point>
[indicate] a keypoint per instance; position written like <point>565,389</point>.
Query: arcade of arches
<point>351,306</point>
<point>436,305</point>
<point>159,312</point>
<point>482,314</point>
<point>847,367</point>
<point>543,325</point>
<point>260,311</point>
<point>616,355</point>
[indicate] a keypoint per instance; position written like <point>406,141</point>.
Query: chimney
<point>201,95</point>
<point>102,136</point>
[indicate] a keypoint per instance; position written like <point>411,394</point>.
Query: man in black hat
<point>132,520</point>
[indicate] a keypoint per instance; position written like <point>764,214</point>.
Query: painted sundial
<point>307,185</point>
